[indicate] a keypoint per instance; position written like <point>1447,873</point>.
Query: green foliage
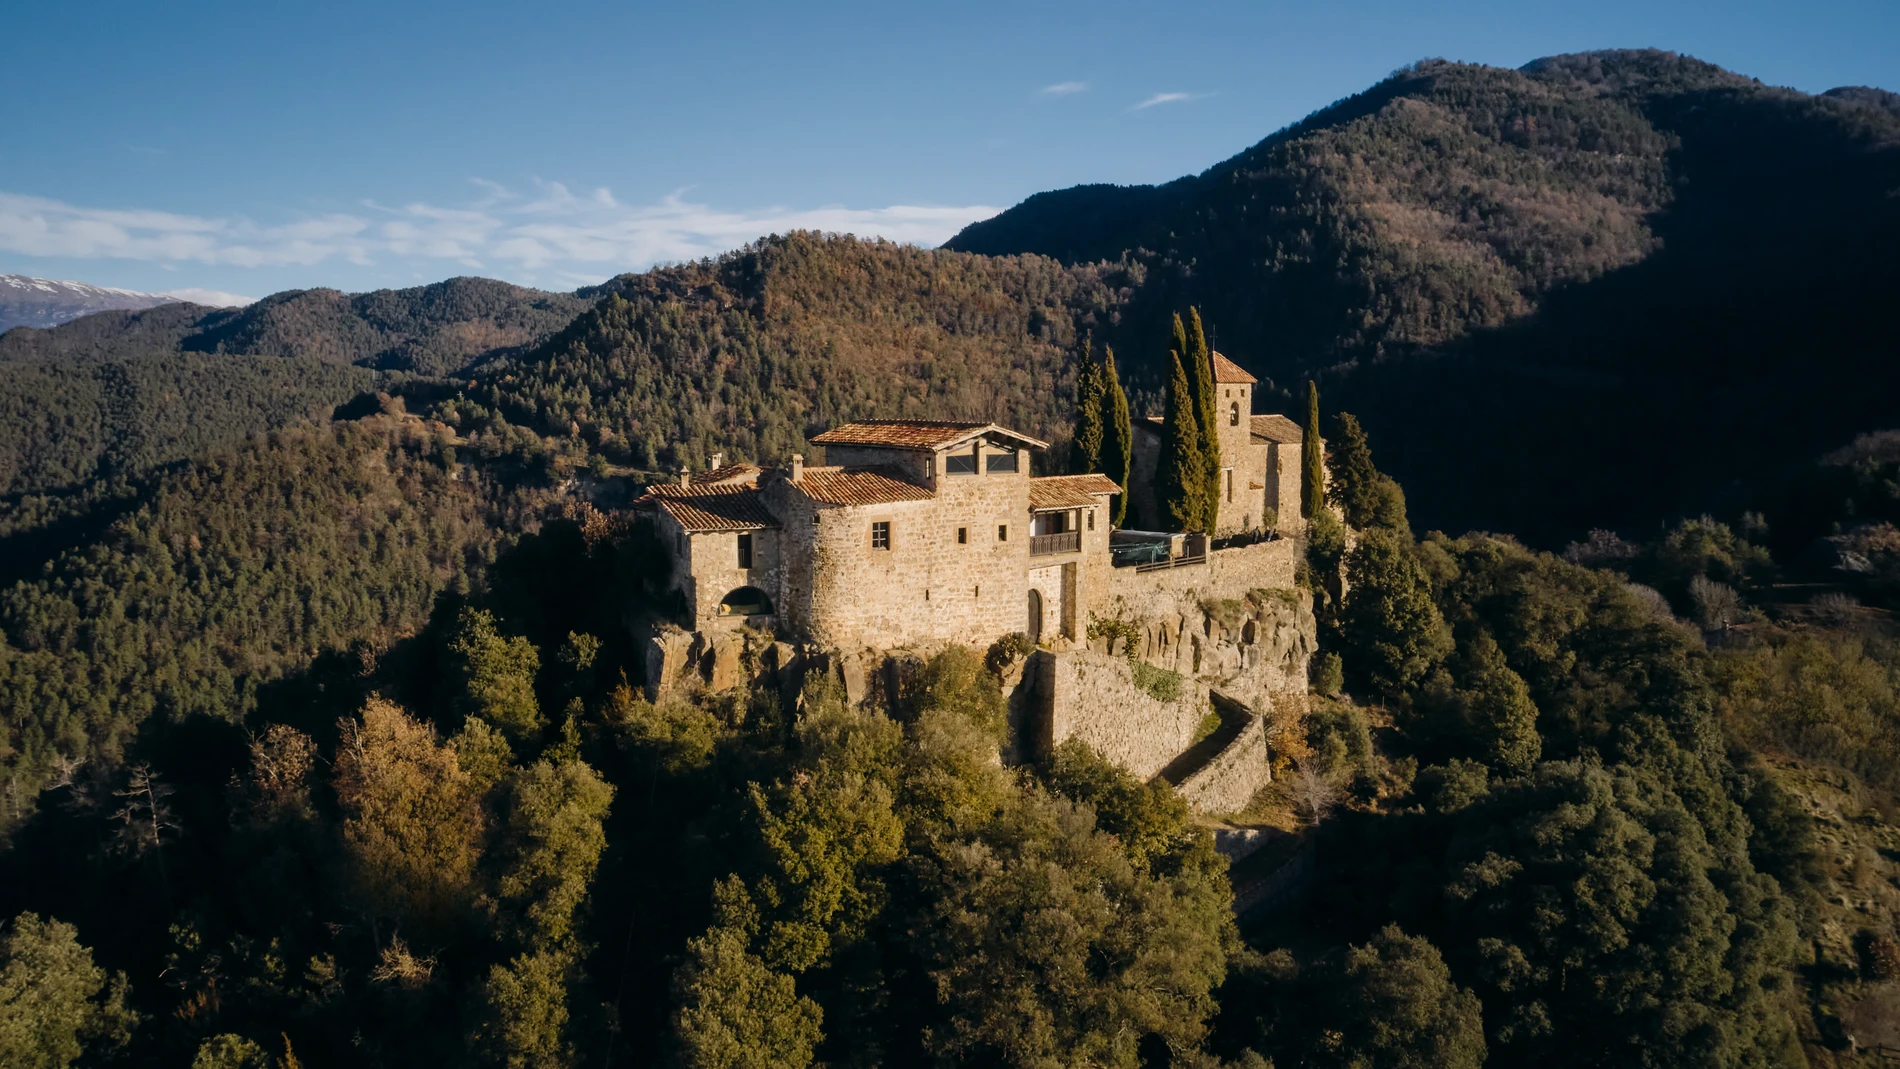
<point>235,571</point>
<point>735,1013</point>
<point>1367,497</point>
<point>1832,698</point>
<point>1118,440</point>
<point>1328,673</point>
<point>1312,465</point>
<point>524,1011</point>
<point>1180,482</point>
<point>747,353</point>
<point>552,840</point>
<point>957,681</point>
<point>1041,941</point>
<point>1390,1004</point>
<point>229,1051</point>
<point>1152,823</point>
<point>1086,453</point>
<point>826,835</point>
<point>495,675</point>
<point>55,1004</point>
<point>412,822</point>
<point>1474,705</point>
<point>1200,363</point>
<point>1393,630</point>
<point>1161,684</point>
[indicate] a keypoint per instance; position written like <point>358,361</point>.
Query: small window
<point>745,550</point>
<point>1091,519</point>
<point>1000,462</point>
<point>881,535</point>
<point>959,464</point>
<point>814,518</point>
<point>1233,415</point>
<point>963,536</point>
<point>1230,484</point>
<point>1002,532</point>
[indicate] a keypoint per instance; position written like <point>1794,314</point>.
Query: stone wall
<point>927,589</point>
<point>1091,696</point>
<point>1231,777</point>
<point>1228,573</point>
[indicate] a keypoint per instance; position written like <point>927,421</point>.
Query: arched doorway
<point>1035,616</point>
<point>746,601</point>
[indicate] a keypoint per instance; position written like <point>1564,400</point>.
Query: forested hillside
<point>751,353</point>
<point>116,394</point>
<point>1540,279</point>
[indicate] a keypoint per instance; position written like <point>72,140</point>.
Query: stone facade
<point>1260,469</point>
<point>918,534</point>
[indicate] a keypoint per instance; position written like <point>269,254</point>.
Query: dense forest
<point>388,791</point>
<point>323,739</point>
<point>1543,279</point>
<point>114,395</point>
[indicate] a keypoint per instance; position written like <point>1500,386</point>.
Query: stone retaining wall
<point>1091,696</point>
<point>1229,780</point>
<point>1228,573</point>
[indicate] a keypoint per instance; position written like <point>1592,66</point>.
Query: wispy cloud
<point>589,234</point>
<point>1062,89</point>
<point>212,298</point>
<point>1169,98</point>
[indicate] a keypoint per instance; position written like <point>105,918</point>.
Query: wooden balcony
<point>1049,544</point>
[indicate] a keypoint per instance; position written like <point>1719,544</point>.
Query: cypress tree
<point>1085,452</point>
<point>1207,413</point>
<point>1312,466</point>
<point>1181,479</point>
<point>1117,435</point>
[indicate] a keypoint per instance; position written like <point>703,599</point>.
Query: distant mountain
<point>115,393</point>
<point>1598,290</point>
<point>46,302</point>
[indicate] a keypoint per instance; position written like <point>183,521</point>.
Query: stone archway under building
<point>746,601</point>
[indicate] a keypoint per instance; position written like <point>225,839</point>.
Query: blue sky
<point>254,147</point>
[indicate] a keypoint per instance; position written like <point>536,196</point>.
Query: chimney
<point>798,467</point>
<point>719,461</point>
<point>686,475</point>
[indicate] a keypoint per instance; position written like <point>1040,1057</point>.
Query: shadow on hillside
<point>1704,378</point>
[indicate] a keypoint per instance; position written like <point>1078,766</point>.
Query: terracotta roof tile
<point>1069,491</point>
<point>730,475</point>
<point>1226,370</point>
<point>712,509</point>
<point>1277,429</point>
<point>859,486</point>
<point>915,433</point>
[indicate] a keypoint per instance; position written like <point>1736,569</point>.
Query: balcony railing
<point>1044,545</point>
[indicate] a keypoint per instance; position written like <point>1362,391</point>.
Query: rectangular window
<point>959,464</point>
<point>1230,484</point>
<point>745,551</point>
<point>1091,519</point>
<point>881,535</point>
<point>1002,532</point>
<point>1000,462</point>
<point>963,536</point>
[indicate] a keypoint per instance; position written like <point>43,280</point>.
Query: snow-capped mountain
<point>45,302</point>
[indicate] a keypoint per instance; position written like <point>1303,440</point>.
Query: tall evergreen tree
<point>1206,412</point>
<point>1118,440</point>
<point>1085,451</point>
<point>1312,463</point>
<point>1181,476</point>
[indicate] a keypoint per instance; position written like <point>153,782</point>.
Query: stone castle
<point>927,532</point>
<point>916,534</point>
